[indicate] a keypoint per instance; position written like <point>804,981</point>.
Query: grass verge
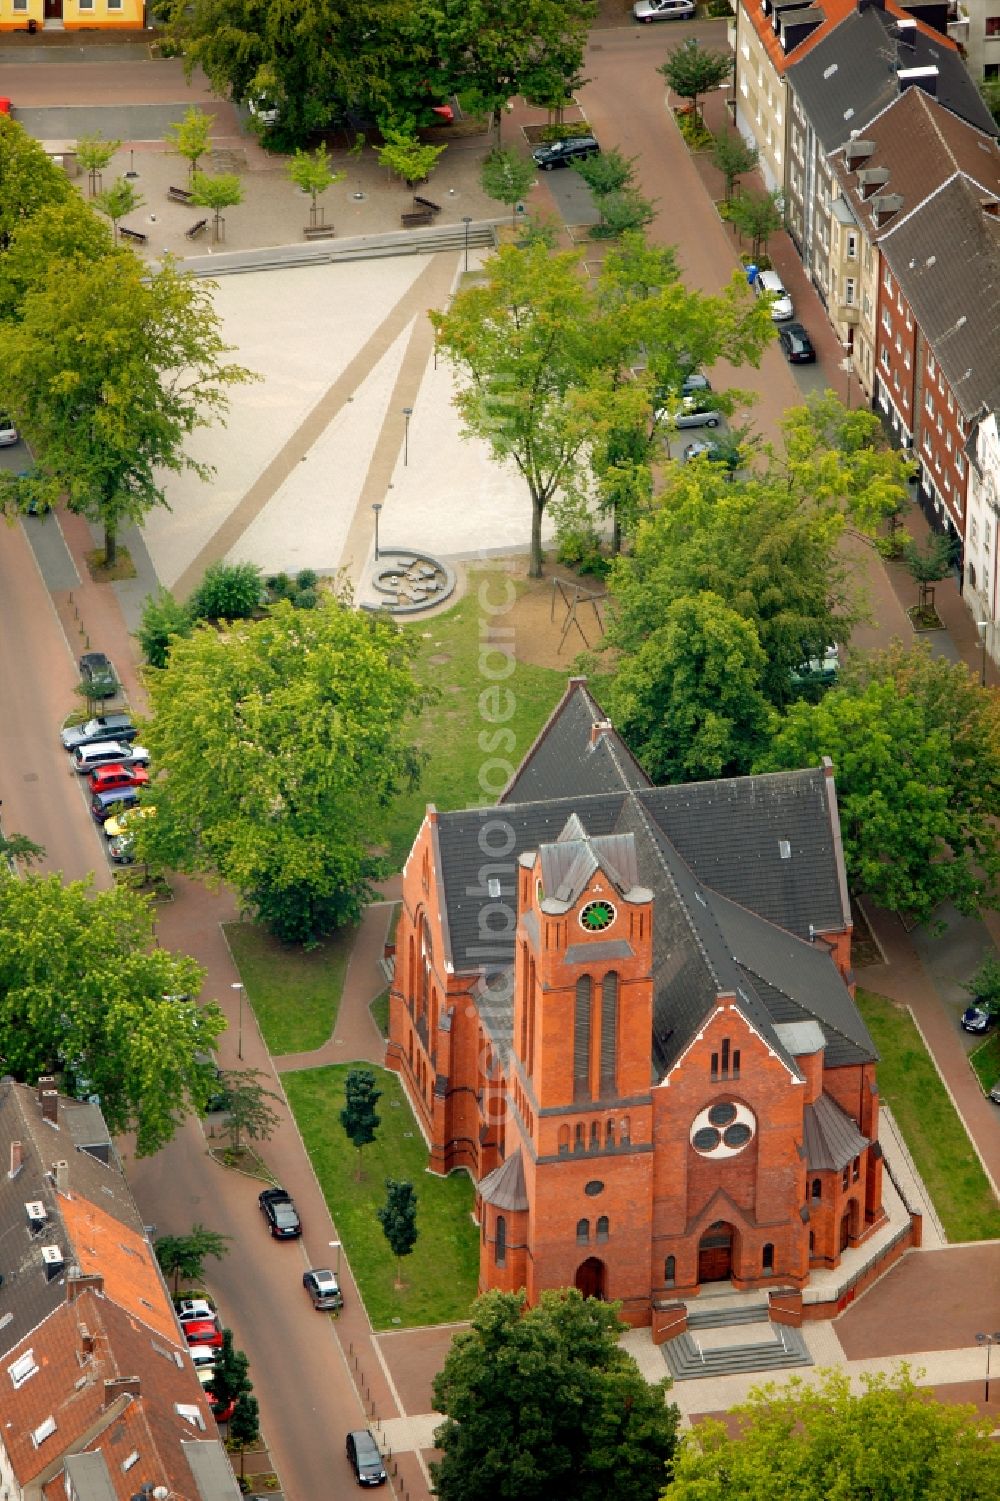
<point>379,1009</point>
<point>459,740</point>
<point>938,1142</point>
<point>985,1061</point>
<point>442,1271</point>
<point>295,995</point>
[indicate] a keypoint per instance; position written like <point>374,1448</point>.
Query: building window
<point>563,1140</point>
<point>581,1040</point>
<point>670,1270</point>
<point>993,25</point>
<point>856,1169</point>
<point>626,1135</point>
<point>906,358</point>
<point>887,320</point>
<point>579,1138</point>
<point>817,1190</point>
<point>852,244</point>
<point>582,1232</point>
<point>973,531</point>
<point>812,1242</point>
<point>888,280</point>
<point>500,1244</point>
<point>929,403</point>
<point>715,1068</point>
<point>931,367</point>
<point>609,1033</point>
<point>846,1178</point>
<point>850,291</point>
<point>595,1136</point>
<point>609,1134</point>
<point>602,1227</point>
<point>767,1261</point>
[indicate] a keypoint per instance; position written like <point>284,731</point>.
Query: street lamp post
<point>466,220</point>
<point>237,985</point>
<point>989,1340</point>
<point>981,626</point>
<point>376,507</point>
<point>131,173</point>
<point>407,414</point>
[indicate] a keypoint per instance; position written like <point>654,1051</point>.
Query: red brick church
<point>627,1011</point>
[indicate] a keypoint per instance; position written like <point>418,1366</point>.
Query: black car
<point>279,1211</point>
<point>366,1461</point>
<point>976,1018</point>
<point>562,153</point>
<point>118,727</point>
<point>97,671</point>
<point>797,345</point>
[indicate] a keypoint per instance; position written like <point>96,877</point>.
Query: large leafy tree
<point>542,1402</point>
<point>107,372</point>
<point>62,233</point>
<point>889,1440</point>
<point>28,179</point>
<point>84,989</point>
<point>284,740</point>
<point>692,70</point>
<point>184,1256</point>
<point>915,744</point>
<point>689,700</point>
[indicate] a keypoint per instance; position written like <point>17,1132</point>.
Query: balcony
<point>849,313</point>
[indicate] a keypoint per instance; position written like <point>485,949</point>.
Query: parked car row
<point>105,750</point>
<point>202,1328</point>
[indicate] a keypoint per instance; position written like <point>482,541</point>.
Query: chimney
<point>86,1341</point>
<point>858,151</point>
<point>16,1158</point>
<point>81,1283</point>
<point>60,1175</point>
<point>52,1261</point>
<point>49,1100</point>
<point>121,1386</point>
<point>598,728</point>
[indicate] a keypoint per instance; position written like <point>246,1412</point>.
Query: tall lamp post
<point>466,220</point>
<point>237,985</point>
<point>407,414</point>
<point>376,507</point>
<point>981,626</point>
<point>989,1340</point>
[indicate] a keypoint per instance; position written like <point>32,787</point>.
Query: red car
<point>199,1321</point>
<point>110,778</point>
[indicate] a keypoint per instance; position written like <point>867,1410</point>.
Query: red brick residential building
<point>627,1012</point>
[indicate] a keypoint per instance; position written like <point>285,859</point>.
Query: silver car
<point>693,413</point>
<point>663,10</point>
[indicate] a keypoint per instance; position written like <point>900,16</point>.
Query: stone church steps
<point>686,1360</point>
<point>719,1318</point>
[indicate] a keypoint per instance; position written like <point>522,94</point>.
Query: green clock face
<point>596,916</point>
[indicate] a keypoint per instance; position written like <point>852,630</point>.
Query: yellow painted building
<point>72,15</point>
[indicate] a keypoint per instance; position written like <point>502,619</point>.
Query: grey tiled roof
<point>604,765</point>
<point>831,1138</point>
<point>852,74</point>
<point>946,257</point>
<point>504,1187</point>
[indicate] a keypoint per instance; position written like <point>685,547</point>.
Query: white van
<point>769,284</point>
<point>108,753</point>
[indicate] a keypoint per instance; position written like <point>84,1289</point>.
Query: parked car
<point>102,727</point>
<point>995,1093</point>
<point>822,669</point>
<point>207,1331</point>
<point>977,1018</point>
<point>562,153</point>
<point>323,1288</point>
<point>97,671</point>
<point>123,825</point>
<point>221,1412</point>
<point>695,381</point>
<point>278,1210</point>
<point>189,1309</point>
<point>366,1460</point>
<point>204,1358</point>
<point>796,344</point>
<point>107,778</point>
<point>769,284</point>
<point>121,849</point>
<point>693,413</point>
<point>8,432</point>
<point>663,10</point>
<point>86,758</point>
<point>264,111</point>
<point>103,805</point>
<point>715,452</point>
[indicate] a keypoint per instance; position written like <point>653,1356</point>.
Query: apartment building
<point>981,587</point>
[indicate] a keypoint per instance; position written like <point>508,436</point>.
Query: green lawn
<point>442,1271</point>
<point>986,1061</point>
<point>295,995</point>
<point>450,727</point>
<point>379,1009</point>
<point>938,1143</point>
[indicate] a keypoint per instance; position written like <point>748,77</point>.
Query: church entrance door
<point>590,1277</point>
<point>715,1253</point>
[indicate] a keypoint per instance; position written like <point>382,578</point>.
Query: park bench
<point>425,203</point>
<point>319,232</point>
<point>410,221</point>
<point>179,195</point>
<point>196,229</point>
<point>124,233</point>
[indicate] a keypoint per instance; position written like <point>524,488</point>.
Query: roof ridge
<point>573,686</point>
<point>655,834</point>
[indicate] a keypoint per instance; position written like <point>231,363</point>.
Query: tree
<point>398,1218</point>
<point>162,621</point>
<point>29,181</point>
<point>244,1426</point>
<point>543,1401</point>
<point>117,201</point>
<point>798,1440</point>
<point>622,213</point>
<point>247,1111</point>
<point>94,153</point>
<point>608,173</point>
<point>984,987</point>
<point>757,216</point>
<point>18,847</point>
<point>929,564</point>
<point>405,156</point>
<point>192,136</point>
<point>108,371</point>
<point>284,742</point>
<point>313,173</point>
<point>990,90</point>
<point>506,176</point>
<point>734,156</point>
<point>915,745</point>
<point>57,235</point>
<point>228,591</point>
<point>218,192</point>
<point>689,701</point>
<point>231,1373</point>
<point>692,70</point>
<point>358,1116</point>
<point>833,456</point>
<point>184,1256</point>
<point>83,990</point>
